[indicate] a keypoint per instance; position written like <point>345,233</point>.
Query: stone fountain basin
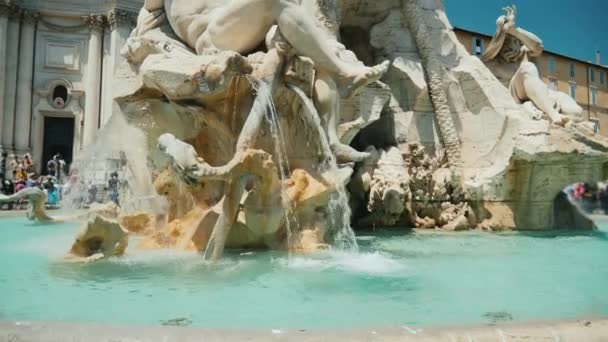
<point>396,279</point>
<point>585,329</point>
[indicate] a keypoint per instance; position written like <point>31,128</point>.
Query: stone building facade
<point>584,81</point>
<point>58,59</point>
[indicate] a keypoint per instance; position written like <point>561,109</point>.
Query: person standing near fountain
<point>60,166</point>
<point>91,193</point>
<point>21,175</point>
<point>51,167</point>
<point>113,188</point>
<point>28,164</point>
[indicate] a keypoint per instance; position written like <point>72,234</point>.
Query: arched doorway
<point>57,123</point>
<point>58,139</point>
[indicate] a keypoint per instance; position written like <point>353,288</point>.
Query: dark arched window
<point>62,92</point>
<point>60,96</point>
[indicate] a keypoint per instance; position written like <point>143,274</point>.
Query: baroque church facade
<point>58,59</point>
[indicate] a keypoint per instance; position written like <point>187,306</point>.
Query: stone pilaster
<point>122,18</point>
<point>10,78</point>
<point>120,24</point>
<point>108,68</point>
<point>6,8</point>
<point>96,24</point>
<point>23,108</point>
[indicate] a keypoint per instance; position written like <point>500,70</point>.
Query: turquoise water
<point>419,279</point>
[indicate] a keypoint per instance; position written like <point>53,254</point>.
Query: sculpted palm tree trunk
<point>434,74</point>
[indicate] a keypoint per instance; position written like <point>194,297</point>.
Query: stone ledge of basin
<point>13,213</point>
<point>593,329</point>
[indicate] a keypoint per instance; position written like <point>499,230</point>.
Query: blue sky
<point>575,28</point>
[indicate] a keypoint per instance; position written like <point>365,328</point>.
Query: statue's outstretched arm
<point>505,24</point>
<point>529,39</point>
<point>497,42</point>
<point>153,5</point>
<point>151,16</point>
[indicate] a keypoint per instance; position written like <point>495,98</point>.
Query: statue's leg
<point>241,25</point>
<point>237,25</point>
<point>526,84</point>
<point>538,92</point>
<point>303,31</point>
<point>327,102</point>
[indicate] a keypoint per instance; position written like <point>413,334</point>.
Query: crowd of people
<point>24,175</point>
<point>591,197</point>
<point>58,182</point>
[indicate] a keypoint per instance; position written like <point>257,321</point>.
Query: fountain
<point>256,147</point>
<point>252,151</point>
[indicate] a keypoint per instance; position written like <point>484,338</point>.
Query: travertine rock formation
<point>141,223</point>
<point>101,238</point>
<point>381,183</point>
<point>107,210</point>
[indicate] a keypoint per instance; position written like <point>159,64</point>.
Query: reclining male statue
<point>511,44</point>
<point>208,26</point>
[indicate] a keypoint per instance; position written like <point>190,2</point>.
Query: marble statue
<point>241,25</point>
<point>36,199</point>
<point>211,26</point>
<point>208,37</point>
<point>512,44</point>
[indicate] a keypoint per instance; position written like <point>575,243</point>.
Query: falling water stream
<point>342,235</point>
<point>339,210</point>
<point>264,102</point>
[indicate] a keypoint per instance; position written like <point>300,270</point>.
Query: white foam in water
<point>304,263</point>
<point>366,238</point>
<point>186,262</point>
<point>375,263</point>
<point>53,244</point>
<point>136,256</point>
<point>369,263</point>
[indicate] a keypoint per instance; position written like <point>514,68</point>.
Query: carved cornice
<point>64,29</point>
<point>30,17</point>
<point>95,21</point>
<point>10,10</point>
<point>120,16</point>
<point>112,20</point>
<point>7,7</point>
